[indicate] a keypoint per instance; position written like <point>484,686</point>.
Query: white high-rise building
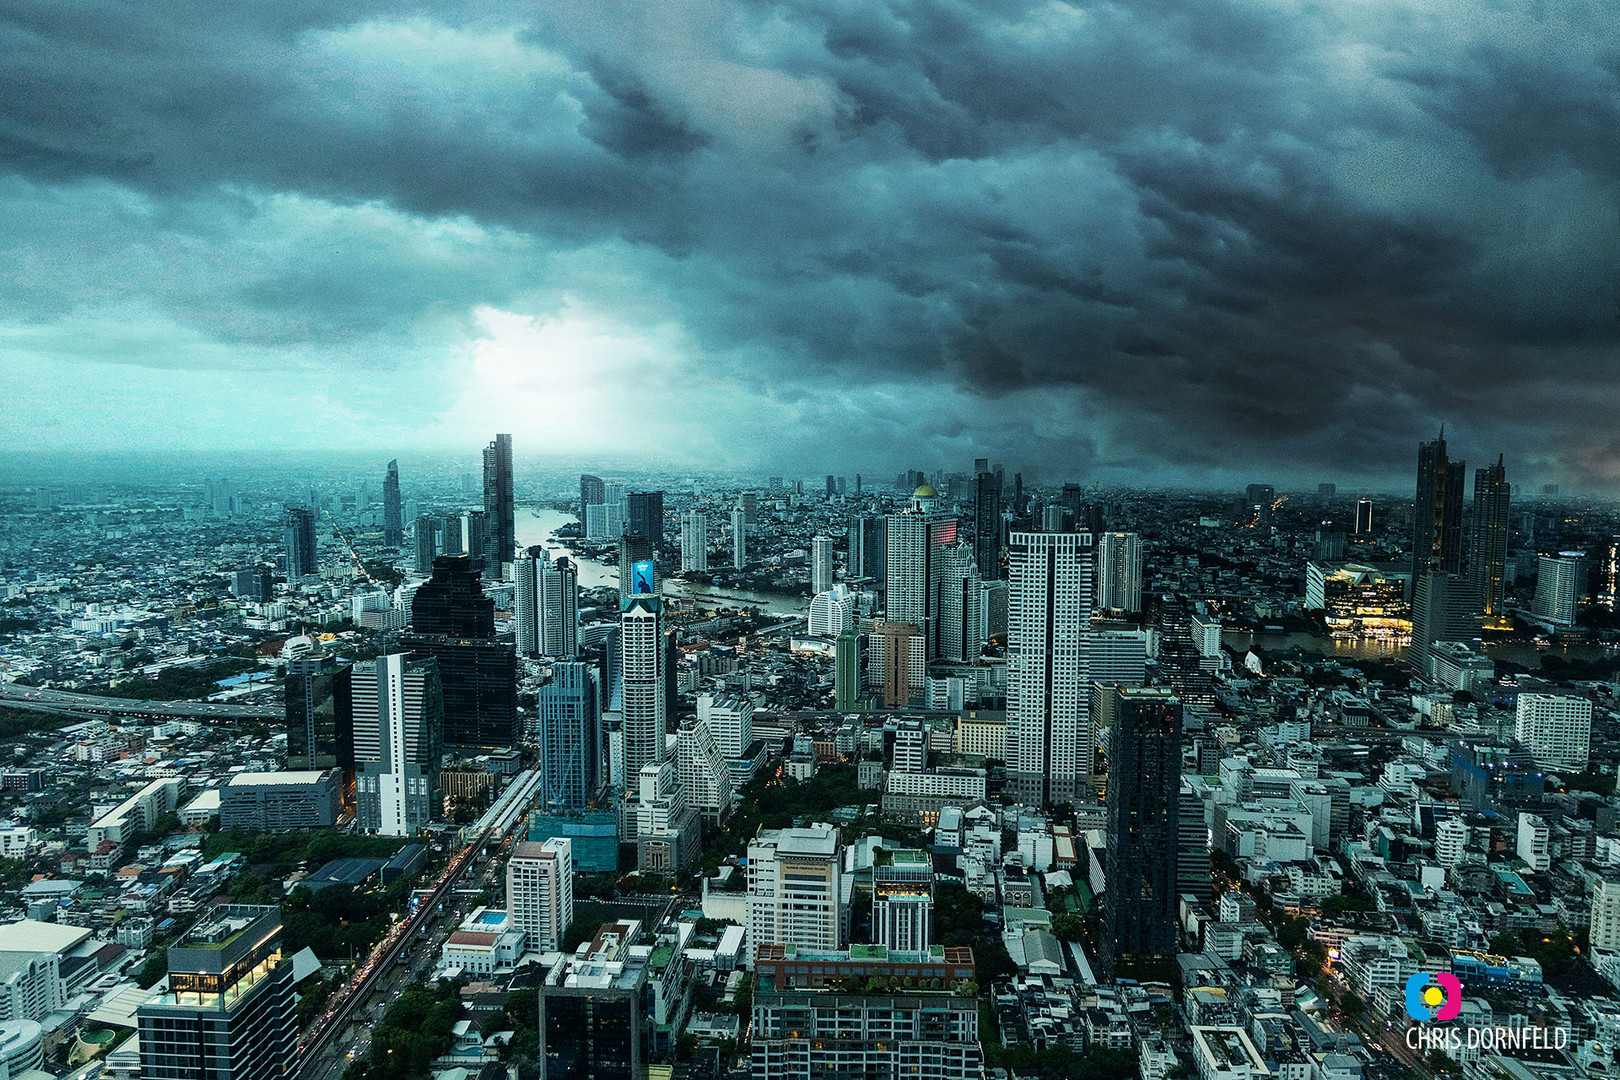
<point>739,538</point>
<point>545,605</point>
<point>795,889</point>
<point>957,601</point>
<point>903,902</point>
<point>730,719</point>
<point>641,652</point>
<point>694,541</point>
<point>1049,604</point>
<point>667,835</point>
<point>910,747</point>
<point>1450,841</point>
<point>821,564</point>
<point>1605,925</point>
<point>398,710</point>
<point>540,891</point>
<point>605,521</point>
<point>1535,842</point>
<point>912,543</point>
<point>1556,727</point>
<point>832,612</point>
<point>1119,572</point>
<point>702,768</point>
<point>1206,635</point>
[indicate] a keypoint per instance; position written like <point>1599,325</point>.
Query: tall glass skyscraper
<point>393,514</point>
<point>570,736</point>
<point>398,743</point>
<point>1487,561</point>
<point>454,622</point>
<point>987,525</point>
<point>1050,595</point>
<point>302,555</point>
<point>320,732</point>
<point>1144,829</point>
<point>1437,512</point>
<point>500,511</point>
<point>644,514</point>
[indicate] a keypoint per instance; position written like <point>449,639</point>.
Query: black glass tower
<point>320,722</point>
<point>393,513</point>
<point>300,536</point>
<point>987,525</point>
<point>500,508</point>
<point>1487,559</point>
<point>644,514</point>
<point>454,622</point>
<point>1144,831</point>
<point>1437,514</point>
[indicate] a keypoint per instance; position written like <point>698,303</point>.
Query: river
<point>1518,652</point>
<point>539,527</point>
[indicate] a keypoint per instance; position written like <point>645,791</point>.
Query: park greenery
<point>178,683</point>
<point>417,1029</point>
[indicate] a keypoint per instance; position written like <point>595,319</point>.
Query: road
<point>90,705</point>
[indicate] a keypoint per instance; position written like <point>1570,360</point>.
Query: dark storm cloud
<point>1205,234</point>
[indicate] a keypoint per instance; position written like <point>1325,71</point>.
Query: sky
<point>1194,241</point>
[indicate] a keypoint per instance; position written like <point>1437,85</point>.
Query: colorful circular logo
<point>1433,996</point>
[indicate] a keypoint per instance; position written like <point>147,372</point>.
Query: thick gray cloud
<point>1112,240</point>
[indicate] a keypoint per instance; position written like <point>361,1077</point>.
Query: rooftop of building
<point>29,935</point>
<point>269,779</point>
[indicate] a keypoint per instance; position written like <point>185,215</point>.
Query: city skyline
<point>1119,242</point>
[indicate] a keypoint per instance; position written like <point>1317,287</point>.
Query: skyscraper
<point>914,538</point>
<point>795,894</point>
<point>569,730</point>
<point>1192,852</point>
<point>635,548</point>
<point>545,603</point>
<point>694,541</point>
<point>393,521</point>
<point>847,672</point>
<point>540,891</point>
<point>454,622</point>
<point>1119,573</point>
<point>320,723</point>
<point>1364,523</point>
<point>739,538</point>
<point>302,555</point>
<point>903,902</point>
<point>987,524</point>
<point>500,507</point>
<point>866,547</point>
<point>821,564</point>
<point>1073,501</point>
<point>644,514</point>
<point>1487,561</point>
<point>642,682</point>
<point>228,1012</point>
<point>1144,837</point>
<point>1437,512</point>
<point>591,493</point>
<point>1445,607</point>
<point>1049,603</point>
<point>1560,586</point>
<point>450,542</point>
<point>398,743</point>
<point>897,668</point>
<point>427,542</point>
<point>730,719</point>
<point>475,536</point>
<point>961,629</point>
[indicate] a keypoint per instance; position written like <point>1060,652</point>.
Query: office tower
<point>914,539</point>
<point>702,769</point>
<point>993,611</point>
<point>1073,501</point>
<point>897,663</point>
<point>1049,604</point>
<point>320,722</point>
<point>642,684</point>
<point>749,501</point>
<point>795,894</point>
<point>1055,519</point>
<point>1560,585</point>
<point>605,520</point>
<point>1554,725</point>
<point>739,538</point>
<point>832,486</point>
<point>1445,607</point>
<point>591,493</point>
<point>450,535</point>
<point>1144,831</point>
<point>961,631</point>
<point>1364,519</point>
<point>398,743</point>
<point>593,1010</point>
<point>302,556</point>
<point>568,710</point>
<point>1192,849</point>
<point>1487,560</point>
<point>847,672</point>
<point>426,536</point>
<point>1605,922</point>
<point>867,541</point>
<point>545,602</point>
<point>1437,512</point>
<point>1259,499</point>
<point>668,835</point>
<point>393,519</point>
<point>832,612</point>
<point>981,465</point>
<point>228,1012</point>
<point>987,524</point>
<point>1182,663</point>
<point>1119,573</point>
<point>644,514</point>
<point>475,537</point>
<point>540,891</point>
<point>635,548</point>
<point>730,718</point>
<point>694,541</point>
<point>454,622</point>
<point>500,507</point>
<point>903,902</point>
<point>821,564</point>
